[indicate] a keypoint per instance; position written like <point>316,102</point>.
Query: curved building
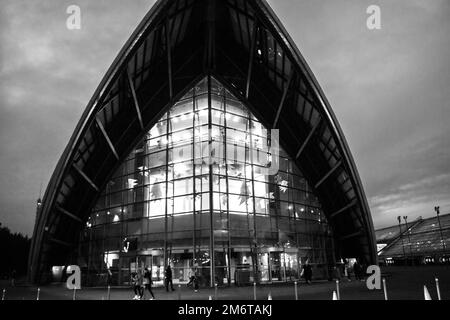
<point>177,159</point>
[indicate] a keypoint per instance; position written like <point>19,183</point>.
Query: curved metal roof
<point>241,43</point>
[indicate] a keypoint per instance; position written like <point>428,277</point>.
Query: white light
<point>175,120</point>
<point>236,119</point>
<point>108,213</point>
<point>259,52</point>
<point>116,218</point>
<point>228,116</point>
<point>132,183</point>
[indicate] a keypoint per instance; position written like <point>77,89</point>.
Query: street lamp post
<point>409,238</point>
<point>440,230</point>
<point>401,237</point>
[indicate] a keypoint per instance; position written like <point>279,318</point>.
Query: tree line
<point>14,248</point>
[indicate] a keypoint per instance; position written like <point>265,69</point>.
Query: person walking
<point>357,270</point>
<point>136,279</point>
<point>148,282</point>
<point>13,278</point>
<point>307,272</point>
<point>193,280</point>
<point>168,276</point>
<point>134,283</point>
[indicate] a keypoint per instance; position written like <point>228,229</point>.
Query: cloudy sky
<point>389,88</point>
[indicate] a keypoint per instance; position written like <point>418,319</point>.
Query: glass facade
<point>195,193</point>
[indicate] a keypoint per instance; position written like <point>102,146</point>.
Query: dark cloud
<point>388,88</point>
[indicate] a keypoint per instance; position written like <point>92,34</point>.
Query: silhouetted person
<point>148,281</point>
<point>169,279</point>
<point>109,278</point>
<point>307,272</point>
<point>357,270</point>
<point>136,279</point>
<point>13,278</point>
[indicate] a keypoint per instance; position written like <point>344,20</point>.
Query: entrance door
<point>264,267</point>
<point>275,266</point>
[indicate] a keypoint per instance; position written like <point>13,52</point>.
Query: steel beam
<point>305,143</point>
<point>108,140</point>
<point>60,242</point>
<point>283,98</point>
<point>337,165</point>
<point>67,213</point>
<point>85,177</point>
<point>136,103</point>
<point>351,235</point>
<point>169,59</point>
<point>350,205</point>
<point>251,59</point>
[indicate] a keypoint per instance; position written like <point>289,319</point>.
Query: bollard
<point>3,294</point>
<point>296,292</point>
<point>335,295</point>
<point>426,293</point>
<point>109,293</point>
<point>179,292</point>
<point>384,289</point>
<point>337,290</point>
<point>38,293</point>
<point>215,291</point>
<point>254,290</point>
<point>74,293</point>
<point>437,288</point>
<point>269,297</point>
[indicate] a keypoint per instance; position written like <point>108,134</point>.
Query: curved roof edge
<point>122,58</point>
<point>270,14</point>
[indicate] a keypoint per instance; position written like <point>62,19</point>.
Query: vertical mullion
<point>227,186</point>
<point>167,188</point>
<point>211,194</point>
<point>194,179</point>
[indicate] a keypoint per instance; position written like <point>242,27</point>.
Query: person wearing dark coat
<point>148,282</point>
<point>169,279</point>
<point>307,272</point>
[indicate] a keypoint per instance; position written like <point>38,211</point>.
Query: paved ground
<point>403,283</point>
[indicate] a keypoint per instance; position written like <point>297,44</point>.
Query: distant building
<point>420,242</point>
<point>136,185</point>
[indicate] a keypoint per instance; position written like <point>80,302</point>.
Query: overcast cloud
<point>389,89</point>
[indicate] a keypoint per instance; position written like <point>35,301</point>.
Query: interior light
<point>116,218</point>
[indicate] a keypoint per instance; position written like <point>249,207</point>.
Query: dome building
<point>209,146</point>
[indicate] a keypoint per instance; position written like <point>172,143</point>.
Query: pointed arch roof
<point>241,43</point>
